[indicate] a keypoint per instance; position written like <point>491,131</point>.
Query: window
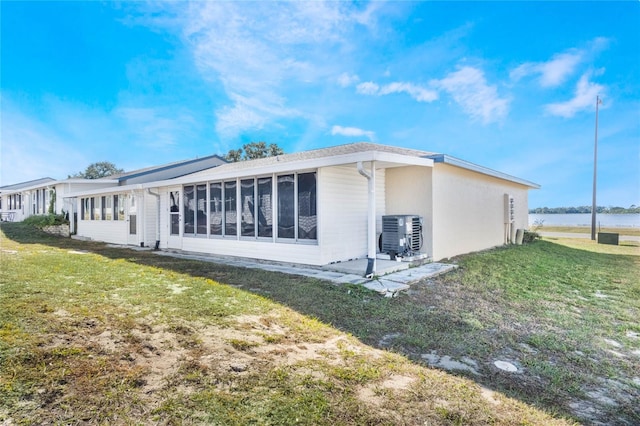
<point>215,208</point>
<point>265,208</point>
<point>286,208</point>
<point>92,202</point>
<point>103,212</point>
<point>189,209</point>
<point>120,208</point>
<point>97,209</point>
<point>307,218</point>
<point>201,212</point>
<point>174,212</point>
<point>85,209</point>
<point>297,217</point>
<point>220,208</point>
<point>116,204</point>
<point>248,208</point>
<point>230,209</point>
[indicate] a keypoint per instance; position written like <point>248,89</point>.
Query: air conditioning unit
<point>401,234</point>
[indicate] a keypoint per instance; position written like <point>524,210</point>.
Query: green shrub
<point>530,236</point>
<point>40,221</point>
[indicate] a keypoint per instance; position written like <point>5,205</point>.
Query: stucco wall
<point>468,210</point>
<point>408,191</point>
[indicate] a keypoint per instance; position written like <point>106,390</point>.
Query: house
<point>314,207</point>
<point>41,196</point>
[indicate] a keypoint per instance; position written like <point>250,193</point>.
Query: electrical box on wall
<point>509,209</point>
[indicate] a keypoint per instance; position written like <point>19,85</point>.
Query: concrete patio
<point>391,276</point>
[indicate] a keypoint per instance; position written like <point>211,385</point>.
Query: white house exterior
<point>314,207</point>
<point>37,197</point>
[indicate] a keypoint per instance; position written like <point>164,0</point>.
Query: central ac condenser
<point>401,234</point>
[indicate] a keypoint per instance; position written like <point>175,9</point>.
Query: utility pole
<point>595,170</point>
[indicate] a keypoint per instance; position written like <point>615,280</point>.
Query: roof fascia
<point>453,161</point>
<point>289,166</point>
<point>157,169</point>
<point>58,182</point>
<point>106,190</point>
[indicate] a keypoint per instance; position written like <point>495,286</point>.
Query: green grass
<point>125,337</point>
<point>587,230</point>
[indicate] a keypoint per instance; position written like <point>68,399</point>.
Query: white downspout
<point>155,194</point>
<point>371,223</point>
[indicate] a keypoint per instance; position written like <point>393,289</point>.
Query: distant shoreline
<point>534,212</point>
<point>577,220</point>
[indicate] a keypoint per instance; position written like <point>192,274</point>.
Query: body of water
<point>580,219</point>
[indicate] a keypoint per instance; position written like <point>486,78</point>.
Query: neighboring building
<point>314,207</point>
<point>38,197</point>
<point>17,201</point>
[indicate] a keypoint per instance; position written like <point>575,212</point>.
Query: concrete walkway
<point>387,285</point>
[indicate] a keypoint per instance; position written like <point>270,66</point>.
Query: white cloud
<point>155,127</point>
<point>561,66</point>
<point>553,72</point>
<point>418,93</point>
<point>368,88</point>
<point>584,99</point>
<point>32,151</point>
<point>352,131</point>
<point>470,90</point>
<point>346,79</point>
<point>259,51</point>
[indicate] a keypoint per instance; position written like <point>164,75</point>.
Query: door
<point>175,219</point>
<point>132,220</point>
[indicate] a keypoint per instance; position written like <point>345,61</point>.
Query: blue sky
<point>508,85</point>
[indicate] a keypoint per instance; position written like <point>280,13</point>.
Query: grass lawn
<point>633,232</point>
<point>99,335</point>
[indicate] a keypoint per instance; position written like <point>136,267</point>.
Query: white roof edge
<point>304,164</point>
<point>105,190</point>
<point>447,159</point>
<point>57,182</point>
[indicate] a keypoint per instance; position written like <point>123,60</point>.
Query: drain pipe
<point>155,194</point>
<point>371,223</point>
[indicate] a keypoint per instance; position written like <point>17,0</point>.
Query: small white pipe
<point>371,223</point>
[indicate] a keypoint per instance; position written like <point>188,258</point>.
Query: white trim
<point>223,172</point>
<point>453,161</point>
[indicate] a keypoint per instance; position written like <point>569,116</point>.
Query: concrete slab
<point>393,277</point>
<point>419,273</point>
<point>359,266</point>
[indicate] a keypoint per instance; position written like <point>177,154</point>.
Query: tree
<point>98,170</point>
<point>253,150</point>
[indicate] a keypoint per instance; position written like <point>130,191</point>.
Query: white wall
<point>409,192</point>
<point>342,224</point>
<point>343,211</point>
<point>109,231</point>
<point>468,210</point>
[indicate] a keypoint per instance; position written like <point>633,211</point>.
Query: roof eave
<point>305,164</point>
<point>457,162</point>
